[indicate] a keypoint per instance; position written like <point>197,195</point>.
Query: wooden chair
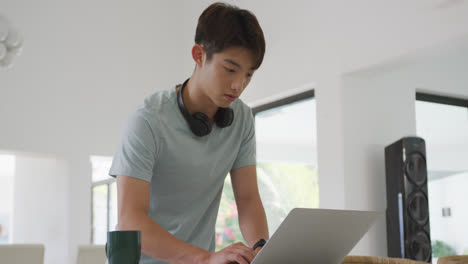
<point>22,253</point>
<point>377,260</point>
<point>460,259</point>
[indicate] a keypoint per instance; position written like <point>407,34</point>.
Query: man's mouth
<point>230,97</point>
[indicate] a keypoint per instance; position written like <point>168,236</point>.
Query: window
<point>7,171</point>
<point>443,123</point>
<point>103,199</point>
<point>286,165</point>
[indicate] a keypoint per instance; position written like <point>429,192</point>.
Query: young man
<point>179,146</point>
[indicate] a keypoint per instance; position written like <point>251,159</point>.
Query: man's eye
<point>229,70</point>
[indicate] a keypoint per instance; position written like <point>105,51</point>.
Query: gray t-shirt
<point>186,173</point>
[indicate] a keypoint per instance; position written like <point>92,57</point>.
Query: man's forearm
<point>252,221</point>
<point>160,244</point>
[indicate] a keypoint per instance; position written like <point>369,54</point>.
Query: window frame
<point>440,99</point>
<point>309,94</point>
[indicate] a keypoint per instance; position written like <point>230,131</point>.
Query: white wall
<point>41,204</point>
<point>379,109</point>
<point>86,64</point>
<point>375,115</point>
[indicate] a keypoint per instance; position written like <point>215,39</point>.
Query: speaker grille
<point>419,247</point>
<point>418,208</point>
<point>415,168</point>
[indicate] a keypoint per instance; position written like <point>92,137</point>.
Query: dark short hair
<point>222,26</point>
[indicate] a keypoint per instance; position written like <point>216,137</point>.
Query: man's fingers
<point>238,259</point>
<point>248,252</point>
<point>235,253</point>
<point>244,251</point>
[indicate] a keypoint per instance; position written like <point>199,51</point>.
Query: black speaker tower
<point>408,233</point>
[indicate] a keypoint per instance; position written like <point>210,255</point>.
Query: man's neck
<point>195,100</point>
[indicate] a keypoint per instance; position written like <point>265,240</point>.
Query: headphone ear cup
<point>200,125</point>
<point>224,117</point>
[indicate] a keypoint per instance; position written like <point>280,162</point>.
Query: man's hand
<point>235,253</point>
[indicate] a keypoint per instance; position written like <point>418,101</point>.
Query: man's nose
<point>238,84</point>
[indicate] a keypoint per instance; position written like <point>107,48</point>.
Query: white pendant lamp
<point>10,44</point>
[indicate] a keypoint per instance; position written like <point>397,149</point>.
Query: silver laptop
<point>316,236</point>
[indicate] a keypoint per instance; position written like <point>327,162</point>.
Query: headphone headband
<point>199,123</point>
<point>180,101</point>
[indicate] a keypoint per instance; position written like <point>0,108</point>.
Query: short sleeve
<point>247,151</point>
<point>136,153</point>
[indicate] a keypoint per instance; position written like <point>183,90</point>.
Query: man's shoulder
<point>156,104</point>
<point>159,99</point>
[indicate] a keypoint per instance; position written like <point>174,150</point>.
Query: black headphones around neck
<point>199,123</point>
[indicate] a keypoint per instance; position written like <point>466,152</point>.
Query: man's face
<point>227,74</point>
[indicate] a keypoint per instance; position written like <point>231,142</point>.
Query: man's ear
<point>198,54</point>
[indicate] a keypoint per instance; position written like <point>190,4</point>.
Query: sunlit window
<point>443,123</point>
<point>104,199</point>
<point>7,171</point>
<point>286,165</point>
